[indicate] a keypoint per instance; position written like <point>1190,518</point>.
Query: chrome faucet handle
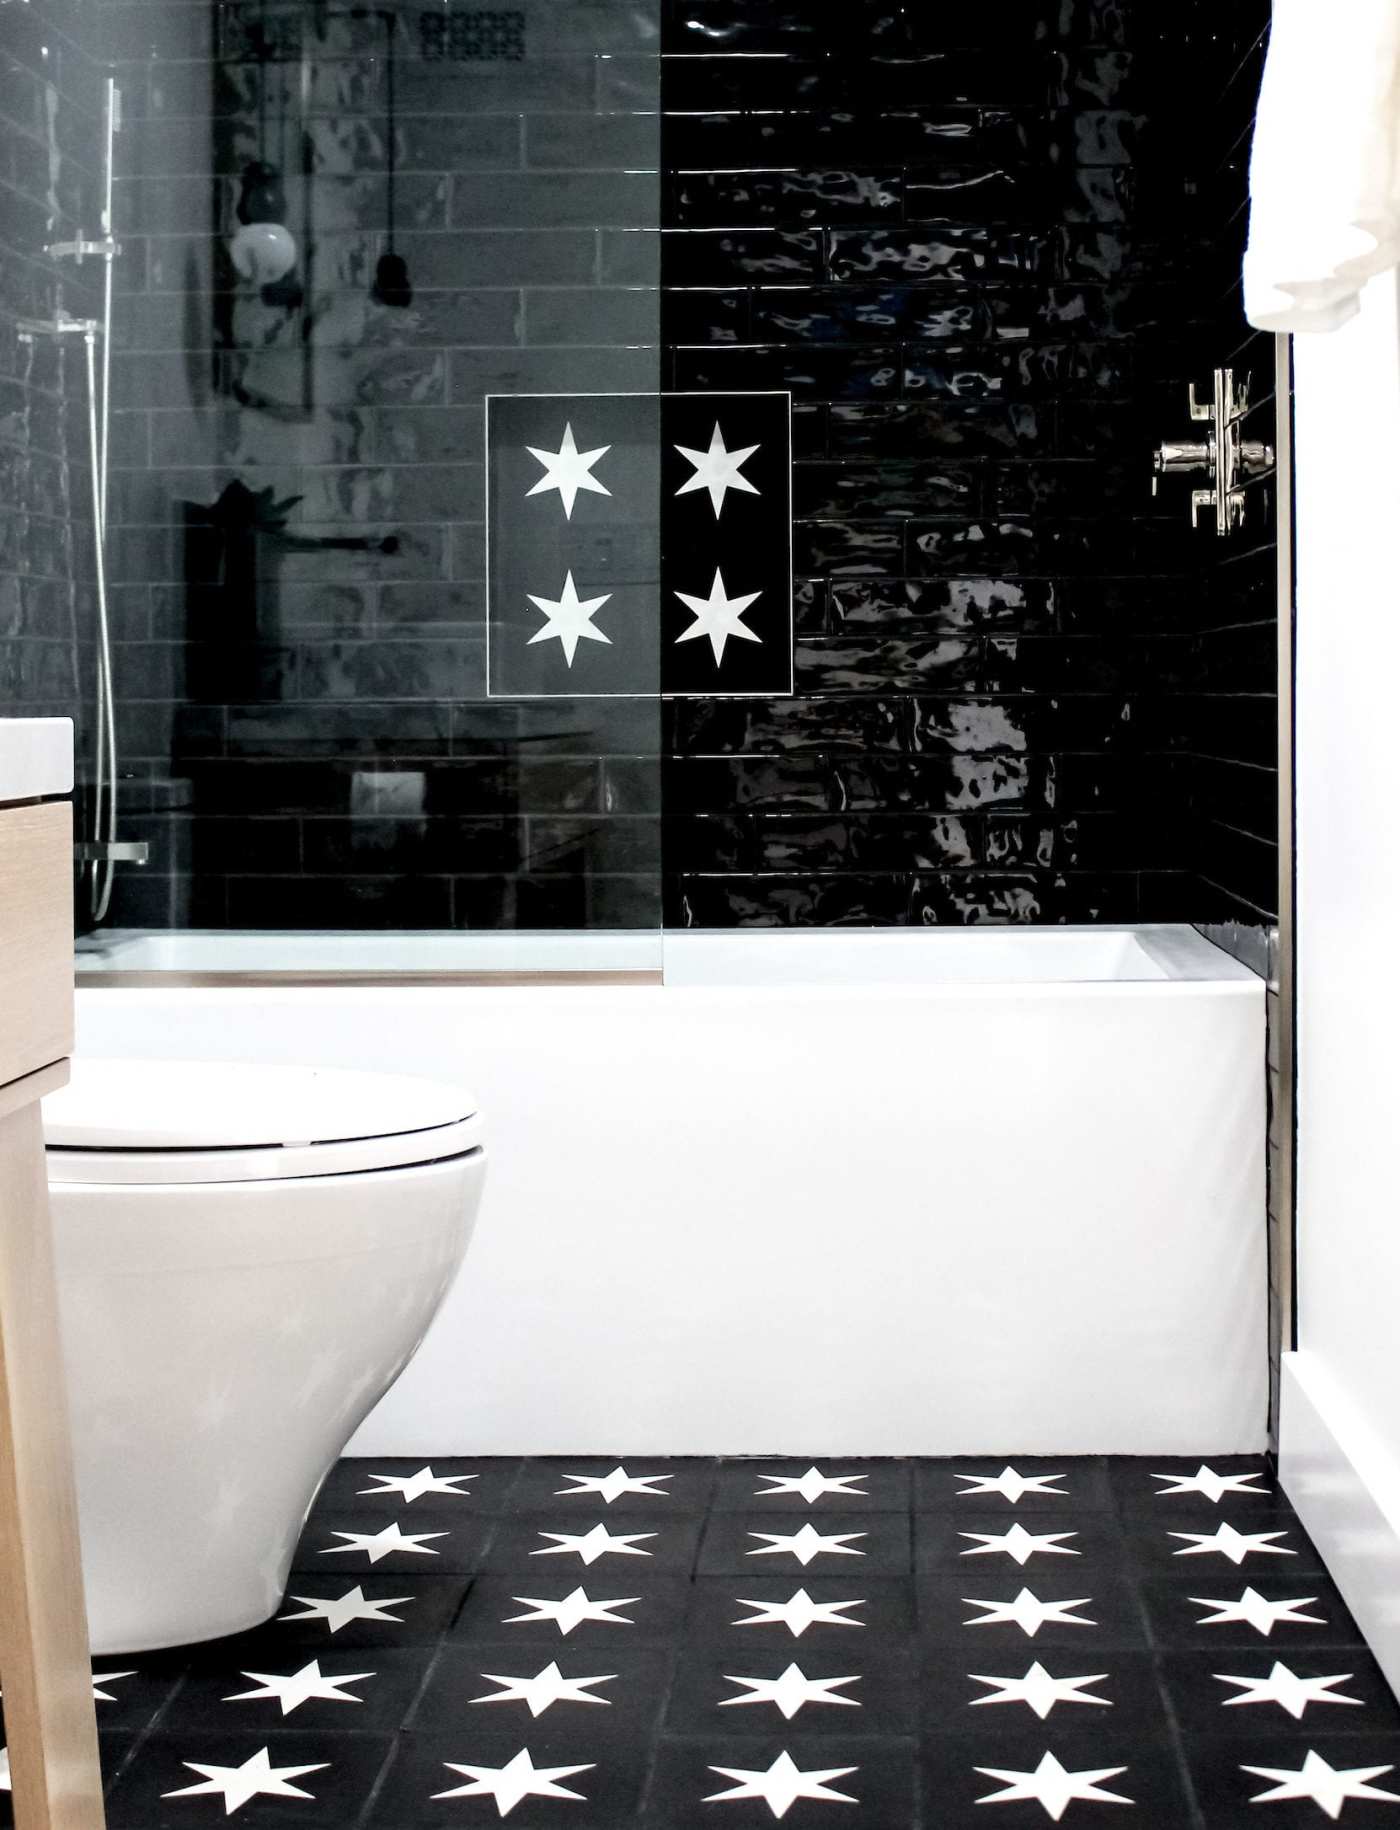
<point>1201,498</point>
<point>1199,410</point>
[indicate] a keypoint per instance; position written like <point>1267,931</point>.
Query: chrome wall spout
<point>1226,457</point>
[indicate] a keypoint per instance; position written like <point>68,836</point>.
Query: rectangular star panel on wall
<point>638,544</point>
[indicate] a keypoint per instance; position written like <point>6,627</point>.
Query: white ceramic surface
<point>223,1340</point>
<point>906,1217</point>
<point>36,757</point>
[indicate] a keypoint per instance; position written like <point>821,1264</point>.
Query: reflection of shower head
<point>262,249</point>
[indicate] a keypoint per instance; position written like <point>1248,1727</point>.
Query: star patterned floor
<point>878,1645</point>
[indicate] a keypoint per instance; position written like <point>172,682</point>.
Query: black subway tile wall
<point>50,114</point>
<point>986,249</point>
<point>298,511</point>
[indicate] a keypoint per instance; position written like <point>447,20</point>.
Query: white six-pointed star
<point>718,616</point>
<point>1225,1541</point>
<point>798,1613</point>
<point>806,1544</point>
<point>1263,1615</point>
<point>790,1692</point>
<point>590,1545</point>
<point>573,1610</point>
<point>1284,1687</point>
<point>240,1783</point>
<point>1052,1786</point>
<point>1011,1485</point>
<point>545,1689</point>
<point>350,1606</point>
<point>782,1784</point>
<point>1328,1786</point>
<point>411,1487</point>
<point>1207,1483</point>
<point>300,1687</point>
<point>377,1545</point>
<point>1041,1692</point>
<point>610,1487</point>
<point>717,470</point>
<point>1019,1543</point>
<point>519,1778</point>
<point>569,619</point>
<point>568,470</point>
<point>811,1486</point>
<point>1028,1612</point>
<point>107,1677</point>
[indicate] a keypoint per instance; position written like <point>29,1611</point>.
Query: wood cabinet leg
<point>45,1669</point>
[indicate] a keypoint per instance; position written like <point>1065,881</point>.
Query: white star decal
<point>1262,1615</point>
<point>590,1545</point>
<point>377,1545</point>
<point>518,1778</point>
<point>790,1692</point>
<point>1225,1541</point>
<point>1327,1786</point>
<point>812,1485</point>
<point>782,1784</point>
<point>569,620</point>
<point>107,1677</point>
<point>300,1687</point>
<point>1052,1787</point>
<point>1207,1483</point>
<point>573,1610</point>
<point>1028,1612</point>
<point>545,1689</point>
<point>411,1487</point>
<point>610,1487</point>
<point>1284,1687</point>
<point>1039,1691</point>
<point>1019,1543</point>
<point>568,470</point>
<point>350,1606</point>
<point>238,1784</point>
<point>806,1544</point>
<point>717,470</point>
<point>797,1613</point>
<point>1011,1485</point>
<point>718,616</point>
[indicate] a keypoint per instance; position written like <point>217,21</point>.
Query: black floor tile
<point>614,1547</point>
<point>580,1608</point>
<point>1279,1690</point>
<point>787,1775</point>
<point>254,1779</point>
<point>1237,1607</point>
<point>504,1687</point>
<point>854,1543</point>
<point>1183,1544</point>
<point>424,1543</point>
<point>1346,1771</point>
<point>516,1772</point>
<point>418,1484</point>
<point>325,1609</point>
<point>804,1486</point>
<point>981,1543</point>
<point>326,1691</point>
<point>800,1608</point>
<point>1010,1690</point>
<point>1012,1484</point>
<point>607,1485</point>
<point>1033,1774</point>
<point>752,1688</point>
<point>1191,1483</point>
<point>1029,1608</point>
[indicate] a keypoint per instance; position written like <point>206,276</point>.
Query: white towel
<point>1324,172</point>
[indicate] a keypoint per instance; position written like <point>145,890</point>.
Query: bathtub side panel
<point>897,1222</point>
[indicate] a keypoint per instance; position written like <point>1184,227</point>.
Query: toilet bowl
<point>247,1257</point>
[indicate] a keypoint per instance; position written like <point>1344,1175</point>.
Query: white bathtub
<point>924,1192</point>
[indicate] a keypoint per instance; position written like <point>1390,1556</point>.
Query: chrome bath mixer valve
<point>1226,457</point>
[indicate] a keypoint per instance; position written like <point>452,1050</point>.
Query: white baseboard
<point>1345,1484</point>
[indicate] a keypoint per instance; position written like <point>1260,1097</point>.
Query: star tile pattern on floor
<point>665,1644</point>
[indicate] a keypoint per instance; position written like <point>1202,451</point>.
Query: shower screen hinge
<point>106,249</point>
<point>1226,458</point>
<point>112,851</point>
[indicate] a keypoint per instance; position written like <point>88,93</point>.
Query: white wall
<point>1341,1406</point>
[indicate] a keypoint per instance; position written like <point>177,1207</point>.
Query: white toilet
<point>248,1257</point>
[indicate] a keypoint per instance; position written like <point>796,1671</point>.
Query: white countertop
<point>36,757</point>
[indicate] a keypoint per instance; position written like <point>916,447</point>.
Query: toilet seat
<point>136,1121</point>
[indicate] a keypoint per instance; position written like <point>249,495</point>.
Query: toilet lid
<point>150,1120</point>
